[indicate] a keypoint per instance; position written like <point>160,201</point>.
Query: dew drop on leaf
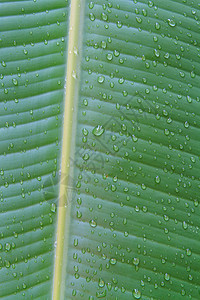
<point>167,276</point>
<point>98,130</point>
<point>157,26</point>
<point>15,82</point>
<point>188,252</point>
<point>93,223</point>
<point>157,179</point>
<point>171,23</point>
<point>136,294</point>
<point>101,283</point>
<point>53,207</point>
<point>113,261</point>
<point>136,261</point>
<point>101,79</point>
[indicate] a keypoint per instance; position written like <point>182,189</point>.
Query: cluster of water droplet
<point>138,168</point>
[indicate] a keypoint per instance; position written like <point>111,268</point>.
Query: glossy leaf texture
<point>32,70</point>
<point>134,226</point>
<point>134,219</point>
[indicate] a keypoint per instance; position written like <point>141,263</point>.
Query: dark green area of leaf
<point>32,76</point>
<point>135,214</point>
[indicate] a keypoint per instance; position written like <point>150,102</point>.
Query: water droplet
<point>113,261</point>
<point>136,261</point>
<point>24,285</point>
<point>53,207</point>
<point>144,12</point>
<point>121,80</point>
<point>3,64</point>
<point>171,22</point>
<point>157,53</point>
<point>182,74</point>
<point>143,186</point>
<point>101,294</point>
<point>138,19</point>
<point>150,4</point>
<point>189,99</point>
<point>91,5</point>
<point>98,130</point>
<point>116,53</point>
<point>101,79</point>
<point>109,56</point>
<point>75,242</point>
<point>134,138</point>
<point>185,225</point>
<point>157,26</point>
<point>190,277</point>
<point>166,218</point>
<point>124,221</point>
<point>78,214</point>
<point>186,124</point>
<point>136,294</point>
<point>157,179</point>
<point>15,82</point>
<point>104,17</point>
<point>93,223</point>
<point>85,156</point>
<point>115,148</point>
<point>167,276</point>
<point>188,252</point>
<point>101,283</point>
<point>7,246</point>
<point>119,24</point>
<point>92,16</point>
<point>7,263</point>
<point>6,184</point>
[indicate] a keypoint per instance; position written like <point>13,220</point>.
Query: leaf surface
<point>132,194</point>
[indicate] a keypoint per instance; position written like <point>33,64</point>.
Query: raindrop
<point>136,261</point>
<point>98,130</point>
<point>101,283</point>
<point>15,82</point>
<point>113,261</point>
<point>186,124</point>
<point>7,246</point>
<point>92,16</point>
<point>101,79</point>
<point>171,23</point>
<point>167,276</point>
<point>93,223</point>
<point>109,56</point>
<point>188,252</point>
<point>134,138</point>
<point>138,19</point>
<point>157,179</point>
<point>136,294</point>
<point>3,64</point>
<point>53,207</point>
<point>85,156</point>
<point>104,17</point>
<point>157,26</point>
<point>185,225</point>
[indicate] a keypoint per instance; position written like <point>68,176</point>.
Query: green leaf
<point>32,56</point>
<point>99,177</point>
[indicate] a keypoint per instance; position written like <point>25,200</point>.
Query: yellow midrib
<point>66,144</point>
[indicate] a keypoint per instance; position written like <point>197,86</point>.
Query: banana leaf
<point>99,149</point>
